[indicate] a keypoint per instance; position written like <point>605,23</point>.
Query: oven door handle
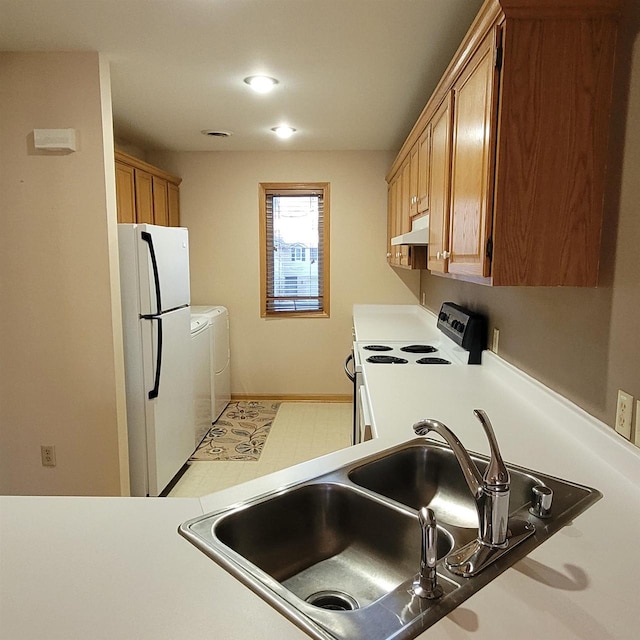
<point>349,372</point>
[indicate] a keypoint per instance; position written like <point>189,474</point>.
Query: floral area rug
<point>239,433</point>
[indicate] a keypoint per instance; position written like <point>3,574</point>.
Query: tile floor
<point>301,431</point>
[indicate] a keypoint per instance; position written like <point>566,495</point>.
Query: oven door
<point>363,412</point>
<point>351,373</point>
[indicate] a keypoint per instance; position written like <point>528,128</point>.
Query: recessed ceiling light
<point>283,131</point>
<point>261,84</point>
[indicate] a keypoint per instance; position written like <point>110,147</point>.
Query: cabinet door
<point>396,218</point>
<point>404,222</point>
<point>414,169</point>
<point>405,208</point>
<point>473,163</point>
<point>391,218</point>
<point>174,205</point>
<point>439,182</point>
<point>144,197</point>
<point>125,193</point>
<point>424,164</point>
<point>160,202</point>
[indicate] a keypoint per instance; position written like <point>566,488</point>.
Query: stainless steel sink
<point>337,555</point>
<point>328,539</point>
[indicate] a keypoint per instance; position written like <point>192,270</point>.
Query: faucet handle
<point>496,474</point>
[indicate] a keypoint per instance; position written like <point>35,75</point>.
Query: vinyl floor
<point>301,431</point>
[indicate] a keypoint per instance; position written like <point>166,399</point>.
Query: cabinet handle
<point>388,254</point>
<point>438,255</point>
<point>445,255</point>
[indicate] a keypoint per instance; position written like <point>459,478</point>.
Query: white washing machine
<point>201,369</point>
<point>220,356</point>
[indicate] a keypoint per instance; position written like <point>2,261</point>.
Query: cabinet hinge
<point>490,248</point>
<point>498,57</point>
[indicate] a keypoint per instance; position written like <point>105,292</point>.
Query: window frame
<point>264,188</point>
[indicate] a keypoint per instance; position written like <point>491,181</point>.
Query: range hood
<point>419,234</point>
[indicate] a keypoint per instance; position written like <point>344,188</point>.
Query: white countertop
<point>393,322</point>
<point>116,567</point>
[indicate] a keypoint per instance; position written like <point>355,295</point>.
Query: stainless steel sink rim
<point>398,613</point>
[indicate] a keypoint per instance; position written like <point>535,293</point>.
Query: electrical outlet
<point>494,340</point>
<point>48,453</point>
<point>636,438</point>
<point>624,414</point>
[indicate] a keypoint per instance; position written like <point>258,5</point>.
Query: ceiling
<point>353,74</point>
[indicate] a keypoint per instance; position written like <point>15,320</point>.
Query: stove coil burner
<point>418,348</point>
<point>432,361</point>
<point>386,360</point>
<point>377,347</point>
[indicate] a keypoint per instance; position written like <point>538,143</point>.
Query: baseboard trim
<point>292,397</point>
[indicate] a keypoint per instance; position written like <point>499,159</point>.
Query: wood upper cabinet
<point>439,181</point>
<point>551,148</point>
<point>530,101</point>
<point>398,222</point>
<point>146,194</point>
<point>475,106</point>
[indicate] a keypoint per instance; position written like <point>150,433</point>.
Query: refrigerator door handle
<point>156,385</point>
<point>146,236</point>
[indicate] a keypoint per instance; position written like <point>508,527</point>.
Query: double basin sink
<point>338,554</point>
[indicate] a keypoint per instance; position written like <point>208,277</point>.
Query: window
<point>294,246</point>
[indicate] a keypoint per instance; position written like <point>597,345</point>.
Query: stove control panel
<point>465,327</point>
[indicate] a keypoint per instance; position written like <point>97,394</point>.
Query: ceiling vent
<point>216,134</point>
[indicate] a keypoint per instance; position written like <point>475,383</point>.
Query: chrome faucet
<point>491,494</point>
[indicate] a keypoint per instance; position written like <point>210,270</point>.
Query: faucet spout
<point>469,469</point>
<point>491,492</point>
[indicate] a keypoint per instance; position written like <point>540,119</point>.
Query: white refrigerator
<point>154,281</point>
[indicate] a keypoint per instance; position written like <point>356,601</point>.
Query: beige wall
<point>60,340</point>
<point>219,202</point>
<point>584,343</point>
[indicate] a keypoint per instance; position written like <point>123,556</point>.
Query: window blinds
<point>294,251</point>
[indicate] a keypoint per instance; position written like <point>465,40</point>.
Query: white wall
<point>219,204</point>
<point>62,378</point>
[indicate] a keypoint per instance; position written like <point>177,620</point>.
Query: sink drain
<point>333,601</point>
